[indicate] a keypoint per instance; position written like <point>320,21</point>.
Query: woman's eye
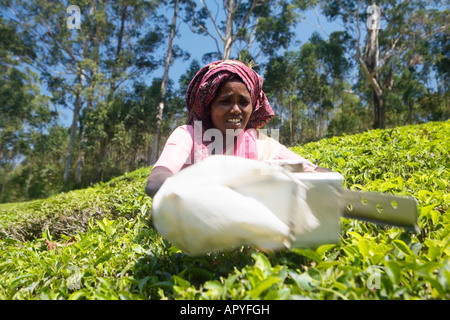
<point>228,101</point>
<point>224,100</point>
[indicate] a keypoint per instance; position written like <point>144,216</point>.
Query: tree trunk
<point>378,112</point>
<point>370,67</point>
<point>159,116</point>
<point>73,134</point>
<point>81,155</point>
<point>83,140</point>
<point>112,89</point>
<point>228,41</point>
<point>290,120</point>
<point>28,181</point>
<point>5,180</point>
<point>101,156</point>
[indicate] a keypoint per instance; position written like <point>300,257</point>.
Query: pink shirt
<point>179,152</point>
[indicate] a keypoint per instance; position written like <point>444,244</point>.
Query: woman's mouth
<point>234,120</point>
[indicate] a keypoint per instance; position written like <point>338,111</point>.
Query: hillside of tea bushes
<point>98,243</point>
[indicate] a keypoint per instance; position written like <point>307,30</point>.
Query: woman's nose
<point>235,108</point>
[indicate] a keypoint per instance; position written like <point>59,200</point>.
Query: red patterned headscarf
<point>207,82</point>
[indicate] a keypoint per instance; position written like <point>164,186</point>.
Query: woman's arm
<point>156,180</point>
<point>176,154</point>
<point>308,166</point>
<point>322,169</point>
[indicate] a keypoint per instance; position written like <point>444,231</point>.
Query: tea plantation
<point>98,243</point>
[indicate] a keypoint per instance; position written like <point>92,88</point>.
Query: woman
<point>227,107</point>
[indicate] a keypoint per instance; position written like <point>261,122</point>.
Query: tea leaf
<point>393,271</point>
<point>263,286</point>
<point>403,247</point>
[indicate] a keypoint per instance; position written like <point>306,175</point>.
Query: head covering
<point>207,82</point>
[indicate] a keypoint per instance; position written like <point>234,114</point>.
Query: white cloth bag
<point>225,202</point>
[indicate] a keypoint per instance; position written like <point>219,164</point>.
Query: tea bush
<point>99,243</point>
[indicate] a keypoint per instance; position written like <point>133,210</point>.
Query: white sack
<point>225,201</point>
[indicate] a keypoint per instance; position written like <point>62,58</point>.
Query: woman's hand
<point>156,180</point>
<point>321,169</point>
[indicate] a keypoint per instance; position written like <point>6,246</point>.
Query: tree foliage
<point>401,43</point>
<point>25,113</point>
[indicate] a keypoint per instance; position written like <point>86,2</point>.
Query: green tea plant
<point>99,242</point>
<point>67,213</point>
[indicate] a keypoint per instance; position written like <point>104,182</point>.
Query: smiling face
<point>231,107</point>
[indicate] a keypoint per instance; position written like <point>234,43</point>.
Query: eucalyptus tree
<point>39,173</point>
<point>388,38</point>
<point>86,52</point>
<point>62,54</point>
<point>282,82</point>
<point>242,24</point>
<point>132,35</point>
<point>23,109</point>
<point>306,86</point>
<point>167,62</point>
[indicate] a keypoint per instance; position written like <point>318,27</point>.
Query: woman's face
<point>231,107</point>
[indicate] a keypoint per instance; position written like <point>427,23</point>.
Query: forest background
<point>91,94</point>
